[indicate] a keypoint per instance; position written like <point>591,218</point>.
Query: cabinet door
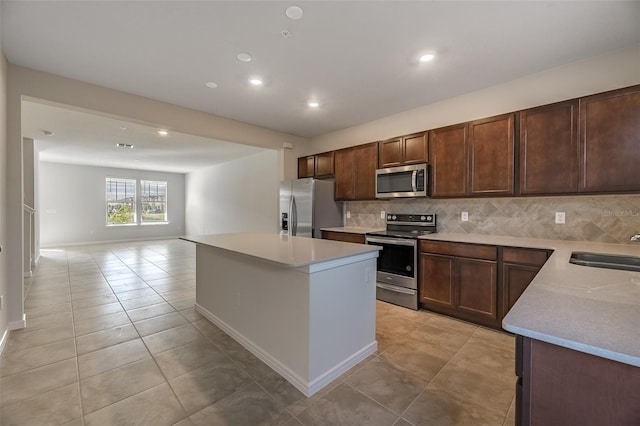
<point>610,141</point>
<point>491,156</point>
<point>365,163</point>
<point>324,164</point>
<point>477,287</point>
<point>306,166</point>
<point>415,149</point>
<point>549,149</point>
<point>437,279</point>
<point>390,153</point>
<point>344,174</point>
<point>448,159</point>
<point>515,280</point>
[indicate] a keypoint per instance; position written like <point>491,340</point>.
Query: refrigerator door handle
<point>294,217</point>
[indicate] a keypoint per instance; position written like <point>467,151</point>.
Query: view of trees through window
<point>153,195</point>
<point>123,201</point>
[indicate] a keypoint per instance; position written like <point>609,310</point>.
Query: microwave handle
<point>414,178</point>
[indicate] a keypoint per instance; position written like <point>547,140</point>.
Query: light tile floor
<point>112,339</point>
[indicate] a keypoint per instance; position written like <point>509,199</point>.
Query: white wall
<point>72,205</point>
<point>4,286</point>
<point>237,196</point>
<point>594,75</point>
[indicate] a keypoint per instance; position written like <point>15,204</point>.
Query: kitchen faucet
<point>635,238</point>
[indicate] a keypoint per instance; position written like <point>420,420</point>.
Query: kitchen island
<point>306,307</point>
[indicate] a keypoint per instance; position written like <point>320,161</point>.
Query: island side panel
<point>262,305</point>
<point>342,319</point>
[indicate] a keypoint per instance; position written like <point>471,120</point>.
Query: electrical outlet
<point>464,216</point>
<point>560,217</point>
<point>383,215</point>
<point>348,214</point>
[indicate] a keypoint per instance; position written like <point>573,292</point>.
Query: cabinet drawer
<point>524,256</point>
<point>476,251</point>
<point>346,237</point>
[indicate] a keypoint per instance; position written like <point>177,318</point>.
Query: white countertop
<point>353,229</point>
<point>592,310</point>
<point>286,251</point>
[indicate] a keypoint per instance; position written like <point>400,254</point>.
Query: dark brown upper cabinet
<point>549,149</point>
<point>324,164</point>
<point>319,165</point>
<point>475,158</point>
<point>448,148</point>
<point>610,141</point>
<point>405,150</point>
<point>491,156</point>
<point>355,172</point>
<point>306,166</point>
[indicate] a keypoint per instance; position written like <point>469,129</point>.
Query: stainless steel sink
<point>609,261</point>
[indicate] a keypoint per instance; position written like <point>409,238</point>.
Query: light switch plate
<point>348,214</point>
<point>560,217</point>
<point>383,214</point>
<point>464,216</point>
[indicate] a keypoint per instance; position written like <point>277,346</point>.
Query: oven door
<point>396,261</point>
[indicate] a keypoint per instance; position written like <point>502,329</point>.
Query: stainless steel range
<point>397,274</point>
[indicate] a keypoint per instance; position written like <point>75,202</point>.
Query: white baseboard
<point>17,325</point>
<point>306,387</point>
<point>27,274</point>
<point>3,341</point>
<point>129,240</point>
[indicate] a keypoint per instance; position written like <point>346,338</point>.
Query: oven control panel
<point>423,219</point>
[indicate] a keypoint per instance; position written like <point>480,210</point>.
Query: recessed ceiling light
<point>124,145</point>
<point>427,57</point>
<point>293,12</point>
<point>47,132</point>
<point>211,85</point>
<point>313,104</point>
<point>255,81</point>
<point>163,132</point>
<point>244,57</point>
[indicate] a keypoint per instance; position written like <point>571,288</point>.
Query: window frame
<point>165,202</point>
<point>137,201</point>
<point>125,181</point>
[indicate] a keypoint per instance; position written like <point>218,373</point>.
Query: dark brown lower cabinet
<point>347,237</point>
<point>519,268</point>
<point>561,386</point>
<point>460,280</point>
<point>475,282</point>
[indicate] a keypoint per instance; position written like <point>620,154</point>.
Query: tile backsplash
<point>603,218</point>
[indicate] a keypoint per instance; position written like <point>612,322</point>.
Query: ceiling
<point>358,59</point>
<point>88,139</point>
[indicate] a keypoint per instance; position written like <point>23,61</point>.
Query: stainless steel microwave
<point>402,182</point>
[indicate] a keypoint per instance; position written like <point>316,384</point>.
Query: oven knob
<point>388,217</point>
<point>408,268</point>
<point>394,217</point>
<point>423,218</point>
<point>430,218</point>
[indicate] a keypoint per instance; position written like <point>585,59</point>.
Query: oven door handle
<point>394,241</point>
<point>396,288</point>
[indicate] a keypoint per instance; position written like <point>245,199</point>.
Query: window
<point>121,201</point>
<point>153,197</point>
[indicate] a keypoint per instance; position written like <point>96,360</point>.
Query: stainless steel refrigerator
<point>306,206</point>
